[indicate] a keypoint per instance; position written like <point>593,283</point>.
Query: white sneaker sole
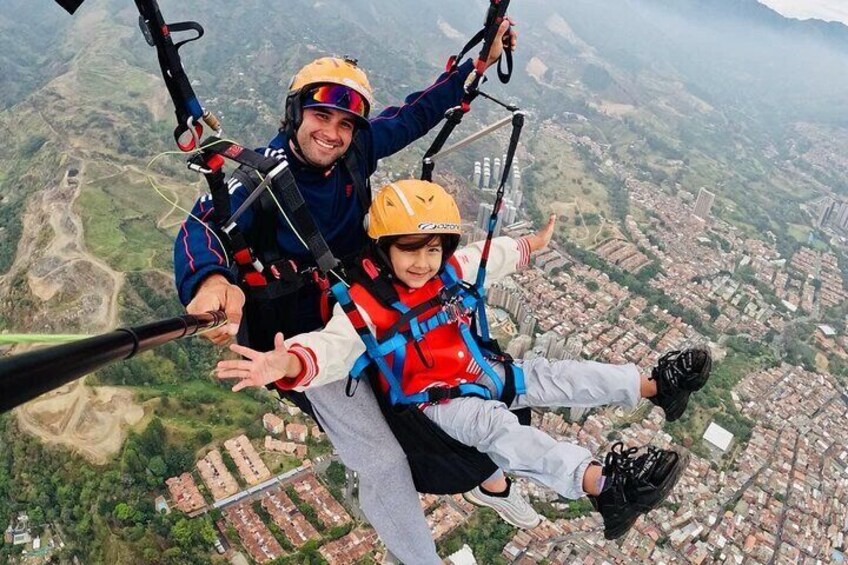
<point>505,516</point>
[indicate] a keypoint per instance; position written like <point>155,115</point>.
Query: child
<point>415,226</point>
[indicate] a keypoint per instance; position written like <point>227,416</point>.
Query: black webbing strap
<point>158,34</point>
<point>509,393</point>
<point>284,186</point>
<point>249,267</point>
<point>439,394</point>
<point>220,197</point>
<point>453,117</point>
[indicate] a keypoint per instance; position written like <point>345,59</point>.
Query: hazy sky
<point>828,10</point>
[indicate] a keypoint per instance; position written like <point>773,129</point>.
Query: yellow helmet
<point>411,207</point>
<point>338,83</point>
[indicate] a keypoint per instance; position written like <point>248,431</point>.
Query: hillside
<point>675,94</point>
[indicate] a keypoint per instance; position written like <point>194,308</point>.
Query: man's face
<point>324,135</point>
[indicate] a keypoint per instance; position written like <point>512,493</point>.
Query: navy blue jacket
<point>331,198</point>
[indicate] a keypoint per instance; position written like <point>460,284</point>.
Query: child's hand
<point>259,369</point>
<point>542,238</point>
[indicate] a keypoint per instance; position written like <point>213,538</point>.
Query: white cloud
<point>828,10</point>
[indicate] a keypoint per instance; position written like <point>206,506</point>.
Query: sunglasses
<point>337,96</point>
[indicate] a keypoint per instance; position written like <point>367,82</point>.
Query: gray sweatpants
<point>357,430</point>
<point>529,452</point>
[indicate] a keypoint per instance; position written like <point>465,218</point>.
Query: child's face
<point>415,267</point>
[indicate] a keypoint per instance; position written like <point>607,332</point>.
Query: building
<point>215,475</point>
<point>18,531</point>
<point>704,203</point>
<point>297,432</point>
<point>573,348</point>
<point>519,346</point>
<point>287,407</point>
<point>718,439</point>
<point>826,211</point>
<point>462,557</point>
<point>247,459</point>
<point>185,494</point>
<point>528,324</point>
<point>161,505</point>
<point>826,330</point>
<point>273,424</point>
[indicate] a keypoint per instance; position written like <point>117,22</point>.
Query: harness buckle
<point>437,395</point>
<point>321,281</point>
<point>453,307</point>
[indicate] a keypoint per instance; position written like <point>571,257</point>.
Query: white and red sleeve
<point>327,355</point>
<point>506,256</point>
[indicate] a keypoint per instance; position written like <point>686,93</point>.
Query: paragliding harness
<point>455,303</point>
<point>271,302</point>
<point>282,275</point>
<point>439,463</point>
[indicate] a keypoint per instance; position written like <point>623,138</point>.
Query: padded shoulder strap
<point>263,236</point>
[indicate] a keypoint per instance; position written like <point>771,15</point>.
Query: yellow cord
<point>174,202</point>
<point>296,233</point>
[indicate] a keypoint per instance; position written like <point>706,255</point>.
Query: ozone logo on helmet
<point>427,226</point>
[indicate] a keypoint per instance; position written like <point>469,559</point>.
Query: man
<point>326,122</point>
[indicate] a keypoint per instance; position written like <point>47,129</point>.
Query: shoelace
<point>619,462</point>
<point>676,364</point>
<point>623,467</point>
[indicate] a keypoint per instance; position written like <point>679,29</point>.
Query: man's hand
<point>217,293</point>
<point>260,369</point>
<point>542,238</point>
<point>506,38</point>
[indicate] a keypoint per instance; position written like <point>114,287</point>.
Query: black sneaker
<point>635,485</point>
<point>679,374</point>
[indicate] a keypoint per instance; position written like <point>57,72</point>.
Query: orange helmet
<point>413,207</point>
<point>329,82</point>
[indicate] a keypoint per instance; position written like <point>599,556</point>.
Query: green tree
<point>157,466</point>
<point>336,474</point>
<point>202,437</point>
<point>713,311</point>
<point>153,439</point>
<point>124,513</point>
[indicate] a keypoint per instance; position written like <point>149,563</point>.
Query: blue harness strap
<point>460,301</point>
<point>349,307</point>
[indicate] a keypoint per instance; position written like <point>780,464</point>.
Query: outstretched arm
<point>506,256</point>
<point>259,369</point>
<point>398,126</point>
<point>307,360</point>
